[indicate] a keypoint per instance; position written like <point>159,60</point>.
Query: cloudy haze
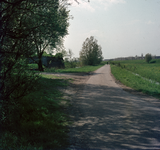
<point>122,27</point>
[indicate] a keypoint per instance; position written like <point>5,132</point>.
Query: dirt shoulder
<point>76,83</point>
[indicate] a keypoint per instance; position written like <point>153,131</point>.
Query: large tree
<point>16,45</point>
<point>52,25</point>
<point>21,22</point>
<point>91,53</point>
<point>28,26</point>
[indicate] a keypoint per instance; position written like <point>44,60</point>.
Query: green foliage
<point>148,57</point>
<point>71,64</point>
<point>17,82</point>
<point>59,55</point>
<point>52,26</point>
<point>154,61</point>
<point>47,55</point>
<point>69,61</point>
<point>33,66</point>
<point>28,26</point>
<point>37,120</point>
<point>91,53</point>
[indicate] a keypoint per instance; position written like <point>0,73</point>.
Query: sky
<point>123,28</point>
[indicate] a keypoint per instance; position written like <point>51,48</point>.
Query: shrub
<point>148,57</point>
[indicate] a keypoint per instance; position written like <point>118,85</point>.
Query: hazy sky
<point>122,27</point>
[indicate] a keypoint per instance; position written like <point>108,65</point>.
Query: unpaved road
<point>105,116</point>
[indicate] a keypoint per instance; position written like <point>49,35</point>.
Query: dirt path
<point>107,117</point>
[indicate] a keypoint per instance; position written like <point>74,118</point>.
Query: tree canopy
<point>27,27</point>
<point>52,26</point>
<point>91,53</point>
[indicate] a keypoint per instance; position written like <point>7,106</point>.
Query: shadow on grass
<point>37,120</point>
<point>70,73</point>
<point>152,93</point>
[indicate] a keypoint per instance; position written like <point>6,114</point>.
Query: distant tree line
<point>133,58</point>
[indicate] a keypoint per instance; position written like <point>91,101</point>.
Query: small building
<point>49,62</point>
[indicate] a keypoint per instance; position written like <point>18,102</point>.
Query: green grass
<point>84,69</point>
<point>34,66</point>
<point>38,121</point>
<point>69,69</point>
<point>149,71</point>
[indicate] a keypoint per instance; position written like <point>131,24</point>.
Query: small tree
<point>70,61</point>
<point>148,57</point>
<point>91,53</point>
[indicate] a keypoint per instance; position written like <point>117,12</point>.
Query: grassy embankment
<point>38,122</point>
<point>149,74</point>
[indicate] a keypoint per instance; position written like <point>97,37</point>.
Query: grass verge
<point>147,70</point>
<point>83,69</point>
<point>136,82</point>
<point>38,121</point>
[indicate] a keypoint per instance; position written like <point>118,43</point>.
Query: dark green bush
<point>148,57</point>
<point>154,61</point>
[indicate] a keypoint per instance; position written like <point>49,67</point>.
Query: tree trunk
<point>40,67</point>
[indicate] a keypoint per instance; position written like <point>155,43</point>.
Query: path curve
<point>107,117</point>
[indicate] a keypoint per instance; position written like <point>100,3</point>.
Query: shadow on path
<point>108,117</point>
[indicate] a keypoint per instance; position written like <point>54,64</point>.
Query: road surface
<point>107,117</point>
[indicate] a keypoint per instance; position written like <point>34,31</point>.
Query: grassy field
<point>150,71</point>
<point>39,121</point>
<point>123,71</point>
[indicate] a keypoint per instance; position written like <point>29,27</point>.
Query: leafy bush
<point>148,57</point>
<point>71,64</point>
<point>59,55</point>
<point>152,62</point>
